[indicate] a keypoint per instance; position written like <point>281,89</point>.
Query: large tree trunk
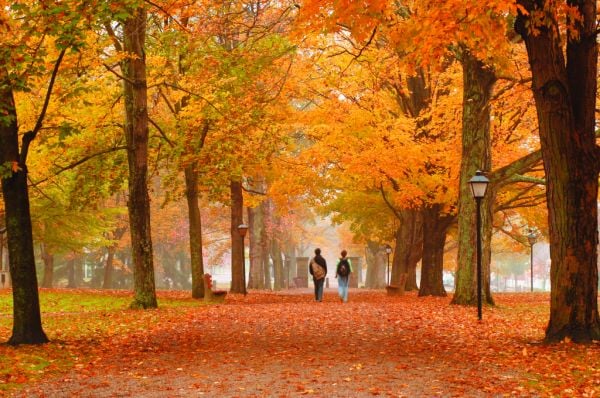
<point>48,259</point>
<point>109,267</point>
<point>376,266</point>
<point>478,82</point>
<point>565,97</point>
<point>136,134</point>
<point>255,222</point>
<point>195,230</point>
<point>27,322</point>
<point>409,248</point>
<point>238,284</point>
<point>435,227</point>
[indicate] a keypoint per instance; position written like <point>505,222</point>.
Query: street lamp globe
<point>478,184</point>
<point>388,249</point>
<point>532,237</point>
<point>242,229</point>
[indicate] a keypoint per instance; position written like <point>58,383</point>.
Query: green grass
<point>66,301</point>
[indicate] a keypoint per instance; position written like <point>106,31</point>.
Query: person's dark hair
<point>344,252</point>
<point>317,251</point>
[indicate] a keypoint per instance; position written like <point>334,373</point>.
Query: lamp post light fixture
<point>532,238</point>
<point>243,229</point>
<point>478,184</point>
<point>388,251</point>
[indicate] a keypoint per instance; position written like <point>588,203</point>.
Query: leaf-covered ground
<point>281,345</point>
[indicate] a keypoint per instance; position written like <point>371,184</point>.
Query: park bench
<point>215,296</point>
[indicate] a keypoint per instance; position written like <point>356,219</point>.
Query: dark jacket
<point>319,260</point>
<point>337,268</point>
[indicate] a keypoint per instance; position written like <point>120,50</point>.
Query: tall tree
<point>24,26</point>
<point>565,89</point>
<point>135,92</point>
<point>478,80</point>
<point>238,278</point>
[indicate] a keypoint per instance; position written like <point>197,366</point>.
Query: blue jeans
<point>319,289</point>
<point>343,287</point>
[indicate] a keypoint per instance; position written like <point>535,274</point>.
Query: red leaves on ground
<point>285,344</point>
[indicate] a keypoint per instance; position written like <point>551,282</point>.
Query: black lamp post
<point>532,238</point>
<point>478,185</point>
<point>242,229</point>
<point>388,251</point>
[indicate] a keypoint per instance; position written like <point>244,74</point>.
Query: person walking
<point>318,270</point>
<point>342,273</point>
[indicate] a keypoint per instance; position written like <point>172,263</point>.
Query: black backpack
<point>344,268</point>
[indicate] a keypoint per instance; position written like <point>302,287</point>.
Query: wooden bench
<point>397,290</point>
<point>216,296</point>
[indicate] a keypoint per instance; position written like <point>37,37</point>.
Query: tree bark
<point>237,242</point>
<point>71,274</point>
<point>195,230</point>
<point>435,227</point>
<point>478,83</point>
<point>265,241</point>
<point>277,265</point>
<point>256,277</point>
<point>48,259</point>
<point>290,258</point>
<point>27,322</point>
<point>136,134</point>
<point>376,266</point>
<point>409,248</point>
<point>565,96</point>
<point>109,267</point>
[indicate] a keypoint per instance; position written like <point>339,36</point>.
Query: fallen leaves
<point>271,344</point>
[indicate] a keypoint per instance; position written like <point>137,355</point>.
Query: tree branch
<point>162,133</point>
<point>387,202</point>
<point>30,135</point>
<point>77,163</point>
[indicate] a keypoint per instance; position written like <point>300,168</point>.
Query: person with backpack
<point>342,273</point>
<point>318,269</point>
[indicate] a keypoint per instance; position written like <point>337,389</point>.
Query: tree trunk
<point>195,230</point>
<point>238,284</point>
<point>277,265</point>
<point>48,259</point>
<point>27,321</point>
<point>255,278</point>
<point>478,83</point>
<point>376,266</point>
<point>290,258</point>
<point>265,241</point>
<point>565,97</point>
<point>435,227</point>
<point>71,274</point>
<point>136,134</point>
<point>409,248</point>
<point>109,267</point>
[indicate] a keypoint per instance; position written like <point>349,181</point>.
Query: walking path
<point>286,345</point>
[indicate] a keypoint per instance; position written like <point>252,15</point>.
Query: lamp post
<point>532,238</point>
<point>388,251</point>
<point>242,229</point>
<point>478,185</point>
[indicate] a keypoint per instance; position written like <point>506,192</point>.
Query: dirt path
<point>288,346</point>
